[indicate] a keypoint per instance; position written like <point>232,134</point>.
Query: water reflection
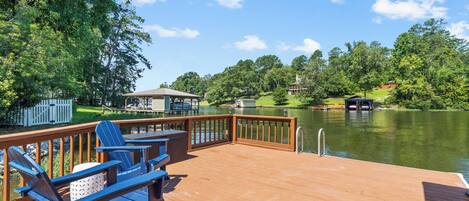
<point>430,140</point>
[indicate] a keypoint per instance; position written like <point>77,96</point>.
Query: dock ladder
<point>300,131</point>
<point>321,135</point>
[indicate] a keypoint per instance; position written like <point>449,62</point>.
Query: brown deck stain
<point>240,172</point>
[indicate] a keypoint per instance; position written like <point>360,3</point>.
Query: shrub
<point>280,96</point>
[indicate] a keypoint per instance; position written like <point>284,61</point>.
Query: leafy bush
<point>280,96</point>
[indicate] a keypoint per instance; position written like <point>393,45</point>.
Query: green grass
<point>378,95</point>
<point>267,100</point>
<point>83,114</point>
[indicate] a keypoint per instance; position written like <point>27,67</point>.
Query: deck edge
<point>461,177</point>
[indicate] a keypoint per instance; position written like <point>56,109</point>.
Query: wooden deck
<point>240,172</point>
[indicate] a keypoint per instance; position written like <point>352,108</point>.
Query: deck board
<point>241,172</point>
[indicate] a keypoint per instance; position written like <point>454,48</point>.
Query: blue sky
<point>206,36</point>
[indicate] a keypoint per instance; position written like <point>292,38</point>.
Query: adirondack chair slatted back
<point>110,135</point>
<point>33,174</point>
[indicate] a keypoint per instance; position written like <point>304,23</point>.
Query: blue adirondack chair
<point>40,187</point>
<point>117,148</point>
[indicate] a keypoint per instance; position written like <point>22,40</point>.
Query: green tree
<point>267,62</point>
<point>336,82</point>
<point>280,96</point>
<point>278,77</point>
<point>33,62</point>
<point>367,64</point>
<point>299,63</point>
<point>122,54</point>
<point>429,68</point>
<point>240,80</point>
<point>190,82</point>
<point>164,85</point>
<point>313,79</point>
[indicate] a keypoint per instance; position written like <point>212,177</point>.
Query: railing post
<point>188,127</point>
<point>292,133</point>
<point>234,124</point>
<point>6,176</point>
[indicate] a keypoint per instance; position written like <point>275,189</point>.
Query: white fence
<point>51,111</point>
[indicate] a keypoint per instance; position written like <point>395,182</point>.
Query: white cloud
<point>251,42</point>
<point>410,9</point>
<point>145,2</point>
<point>309,46</point>
<point>460,29</point>
<point>172,32</point>
<point>230,3</point>
<point>338,1</point>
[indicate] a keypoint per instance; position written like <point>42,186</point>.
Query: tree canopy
<point>88,50</point>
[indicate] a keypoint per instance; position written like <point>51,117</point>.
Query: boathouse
<point>358,103</point>
<point>161,100</point>
<point>245,103</point>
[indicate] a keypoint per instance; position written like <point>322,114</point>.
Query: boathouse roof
<point>160,92</point>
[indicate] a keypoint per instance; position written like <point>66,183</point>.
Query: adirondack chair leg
<point>143,158</point>
<point>157,189</point>
<point>164,169</point>
<point>111,176</point>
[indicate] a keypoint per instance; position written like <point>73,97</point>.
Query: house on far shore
<point>161,100</point>
<point>295,88</point>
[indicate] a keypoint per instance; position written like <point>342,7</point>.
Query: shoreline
<point>338,108</point>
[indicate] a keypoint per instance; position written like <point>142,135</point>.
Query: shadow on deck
<point>240,172</point>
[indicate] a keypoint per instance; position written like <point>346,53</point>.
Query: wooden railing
<point>265,131</point>
<point>70,145</point>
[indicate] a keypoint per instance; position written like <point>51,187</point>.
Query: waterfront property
<point>296,87</point>
<point>358,103</point>
<point>243,157</point>
<point>161,100</point>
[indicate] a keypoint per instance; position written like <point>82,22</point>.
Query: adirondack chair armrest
<point>23,191</point>
<point>159,161</point>
<point>122,148</point>
<point>129,185</point>
<point>161,140</point>
<point>67,179</point>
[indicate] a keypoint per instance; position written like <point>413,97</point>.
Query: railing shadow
<point>435,192</point>
<point>170,185</point>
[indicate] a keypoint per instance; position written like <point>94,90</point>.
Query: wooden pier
<point>240,172</point>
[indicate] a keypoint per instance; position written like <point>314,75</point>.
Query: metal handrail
<point>299,131</point>
<point>321,133</point>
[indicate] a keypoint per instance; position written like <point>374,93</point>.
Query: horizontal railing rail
<point>59,149</point>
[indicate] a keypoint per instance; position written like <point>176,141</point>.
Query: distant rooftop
<point>162,92</point>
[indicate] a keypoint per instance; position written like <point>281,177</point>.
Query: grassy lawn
<point>83,114</point>
<point>266,100</point>
<point>378,95</point>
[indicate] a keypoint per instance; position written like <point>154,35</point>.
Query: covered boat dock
<point>162,100</point>
<point>358,103</point>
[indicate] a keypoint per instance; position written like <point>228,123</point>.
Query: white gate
<point>50,111</point>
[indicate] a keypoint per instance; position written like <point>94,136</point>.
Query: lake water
<point>429,140</point>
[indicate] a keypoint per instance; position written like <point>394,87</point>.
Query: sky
<point>206,36</point>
